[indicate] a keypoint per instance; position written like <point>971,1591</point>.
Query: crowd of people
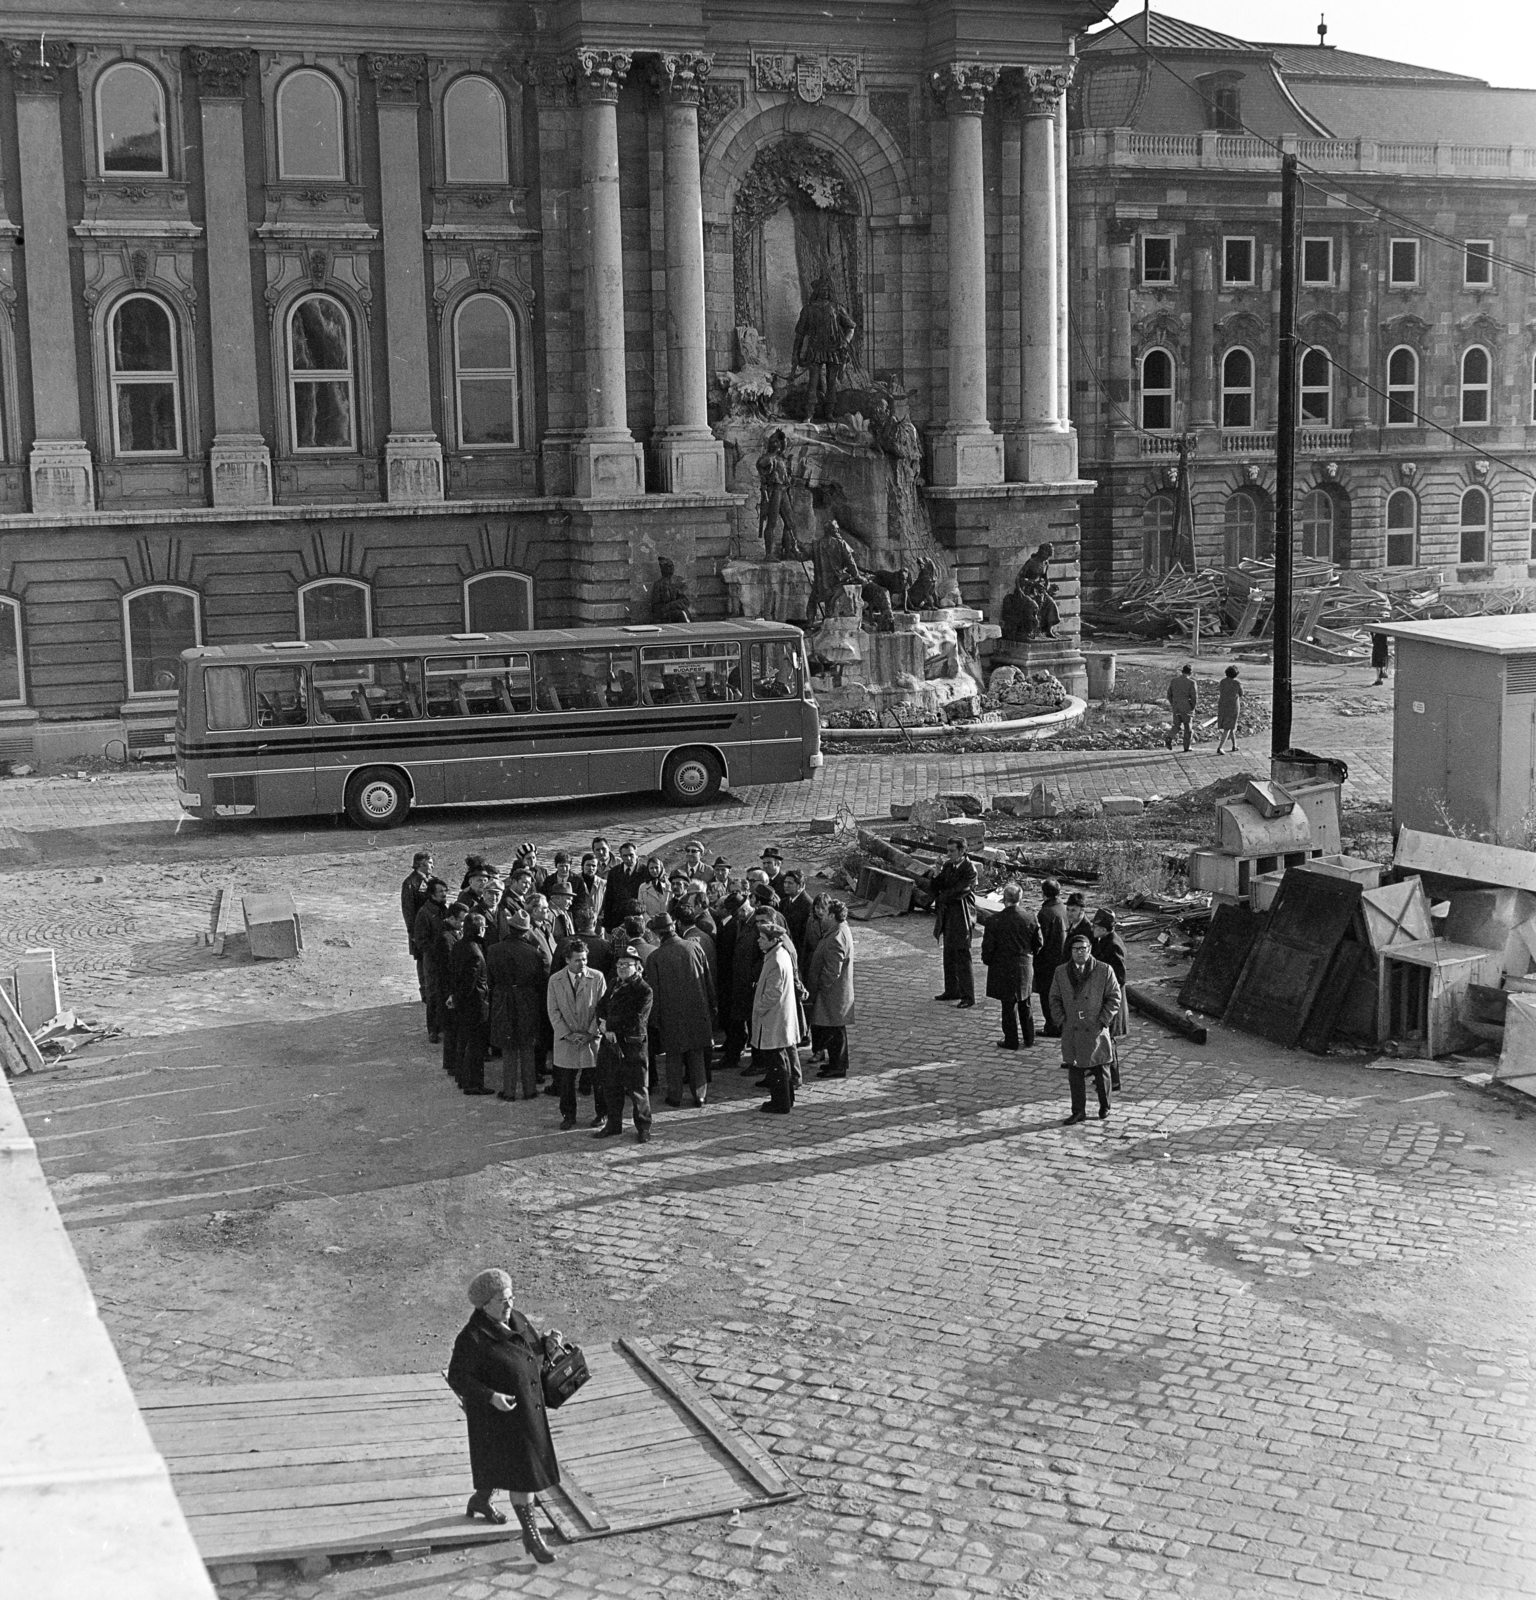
<point>613,976</point>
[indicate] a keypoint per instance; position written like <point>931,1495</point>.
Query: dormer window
<point>1223,101</point>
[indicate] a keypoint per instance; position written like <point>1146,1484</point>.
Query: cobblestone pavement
<point>1264,1332</point>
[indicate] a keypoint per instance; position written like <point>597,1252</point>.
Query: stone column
<point>413,454</point>
<point>1063,284</point>
<point>60,466</point>
<point>1202,335</point>
<point>607,458</point>
<point>692,459</point>
<point>965,449</point>
<point>240,460</point>
<point>1044,449</point>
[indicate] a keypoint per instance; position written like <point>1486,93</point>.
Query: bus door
<point>285,763</point>
<point>776,711</point>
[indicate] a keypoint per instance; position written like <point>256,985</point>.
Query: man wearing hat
<point>718,883</point>
<point>954,923</point>
<point>1084,999</point>
<point>677,971</point>
<point>773,865</point>
<point>625,1013</point>
<point>472,865</point>
<point>562,926</point>
<point>518,970</point>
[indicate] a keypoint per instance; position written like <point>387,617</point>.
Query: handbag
<point>563,1373</point>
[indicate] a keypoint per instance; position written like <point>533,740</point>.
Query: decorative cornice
<point>220,73</point>
<point>962,87</point>
<point>599,73</point>
<point>39,68</point>
<point>396,77</point>
<point>682,76</point>
<point>1043,88</point>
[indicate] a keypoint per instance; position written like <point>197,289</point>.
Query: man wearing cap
<point>518,970</point>
<point>718,883</point>
<point>424,932</point>
<point>776,1015</point>
<point>954,922</point>
<point>624,1012</point>
<point>562,925</point>
<point>678,974</point>
<point>693,860</point>
<point>624,880</point>
<point>413,896</point>
<point>471,988</point>
<point>1084,999</point>
<point>572,999</point>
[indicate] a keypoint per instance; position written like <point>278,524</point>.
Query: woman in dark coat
<point>496,1371</point>
<point>1052,951</point>
<point>1109,948</point>
<point>1008,949</point>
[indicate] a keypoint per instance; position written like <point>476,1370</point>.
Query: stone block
<point>1122,805</point>
<point>1043,802</point>
<point>272,926</point>
<point>876,884</point>
<point>313,1566</point>
<point>972,829</point>
<point>901,813</point>
<point>1012,805</point>
<point>964,805</point>
<point>37,988</point>
<point>823,824</point>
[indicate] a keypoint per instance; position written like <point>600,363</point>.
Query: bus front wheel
<point>377,798</point>
<point>691,778</point>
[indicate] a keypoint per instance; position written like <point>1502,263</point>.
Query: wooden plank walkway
<point>276,1471</point>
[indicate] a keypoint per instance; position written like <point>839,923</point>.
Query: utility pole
<point>1285,460</point>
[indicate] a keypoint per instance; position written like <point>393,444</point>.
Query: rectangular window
<point>688,674</point>
<point>1403,263</point>
<point>1317,261</point>
<point>1237,262</point>
<point>282,698</point>
<point>10,652</point>
<point>1477,271</point>
<point>479,686</point>
<point>1156,258</point>
<point>365,691</point>
<point>586,680</point>
<point>775,671</point>
<point>225,699</point>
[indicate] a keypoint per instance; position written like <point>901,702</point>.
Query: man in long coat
<point>1084,1000</point>
<point>795,908</point>
<point>519,974</point>
<point>625,1012</point>
<point>829,977</point>
<point>413,895</point>
<point>1109,948</point>
<point>471,987</point>
<point>572,998</point>
<point>677,971</point>
<point>449,932</point>
<point>424,932</point>
<point>624,880</point>
<point>776,1031</point>
<point>1008,947</point>
<point>954,922</point>
<point>1052,951</point>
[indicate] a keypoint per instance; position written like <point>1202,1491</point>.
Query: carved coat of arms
<point>810,78</point>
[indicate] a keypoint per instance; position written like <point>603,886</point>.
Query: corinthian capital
<point>220,72</point>
<point>963,86</point>
<point>395,76</point>
<point>1043,88</point>
<point>682,75</point>
<point>39,68</point>
<point>599,73</point>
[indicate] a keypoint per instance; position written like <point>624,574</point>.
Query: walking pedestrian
<point>471,993</point>
<point>1109,948</point>
<point>413,896</point>
<point>518,970</point>
<point>1084,1000</point>
<point>1229,706</point>
<point>497,1371</point>
<point>1183,698</point>
<point>954,923</point>
<point>830,981</point>
<point>572,998</point>
<point>621,1055</point>
<point>424,932</point>
<point>684,1011</point>
<point>1009,944</point>
<point>1052,952</point>
<point>776,1032</point>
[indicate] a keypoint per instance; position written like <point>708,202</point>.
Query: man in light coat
<point>1084,1000</point>
<point>829,977</point>
<point>572,998</point>
<point>683,1010</point>
<point>775,1028</point>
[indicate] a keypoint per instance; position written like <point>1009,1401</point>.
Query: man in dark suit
<point>954,921</point>
<point>624,880</point>
<point>424,932</point>
<point>622,1057</point>
<point>471,986</point>
<point>518,969</point>
<point>413,895</point>
<point>795,908</point>
<point>1053,949</point>
<point>1008,947</point>
<point>448,936</point>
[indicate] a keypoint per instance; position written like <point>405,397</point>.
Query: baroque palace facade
<point>372,318</point>
<point>1420,187</point>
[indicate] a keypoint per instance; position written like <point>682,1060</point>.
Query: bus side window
<point>225,699</point>
<point>280,698</point>
<point>774,672</point>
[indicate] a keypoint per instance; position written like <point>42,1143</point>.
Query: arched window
<point>1157,390</point>
<point>13,679</point>
<point>475,132</point>
<point>1474,527</point>
<point>1316,389</point>
<point>1402,388</point>
<point>1402,529</point>
<point>1159,517</point>
<point>158,624</point>
<point>1237,389</point>
<point>485,370</point>
<point>1246,530</point>
<point>498,602</point>
<point>335,608</point>
<point>309,137</point>
<point>130,120</point>
<point>320,374</point>
<point>1317,525</point>
<point>142,369</point>
<point>1474,385</point>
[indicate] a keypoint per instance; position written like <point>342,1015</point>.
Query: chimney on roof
<point>1322,30</point>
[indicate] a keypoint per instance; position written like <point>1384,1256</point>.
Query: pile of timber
<point>1176,603</point>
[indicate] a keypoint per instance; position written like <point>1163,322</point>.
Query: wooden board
<point>1339,980</point>
<point>1220,958</point>
<point>1396,912</point>
<point>17,1051</point>
<point>1284,972</point>
<point>1468,859</point>
<point>271,1472</point>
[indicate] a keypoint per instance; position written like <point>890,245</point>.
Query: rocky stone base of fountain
<point>1060,656</point>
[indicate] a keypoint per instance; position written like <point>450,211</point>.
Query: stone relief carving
<point>718,101</point>
<point>893,108</point>
<point>39,68</point>
<point>811,77</point>
<point>220,73</point>
<point>962,87</point>
<point>396,76</point>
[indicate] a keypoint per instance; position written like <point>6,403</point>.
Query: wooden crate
<point>1422,997</point>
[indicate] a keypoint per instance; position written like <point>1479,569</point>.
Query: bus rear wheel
<point>691,778</point>
<point>377,798</point>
